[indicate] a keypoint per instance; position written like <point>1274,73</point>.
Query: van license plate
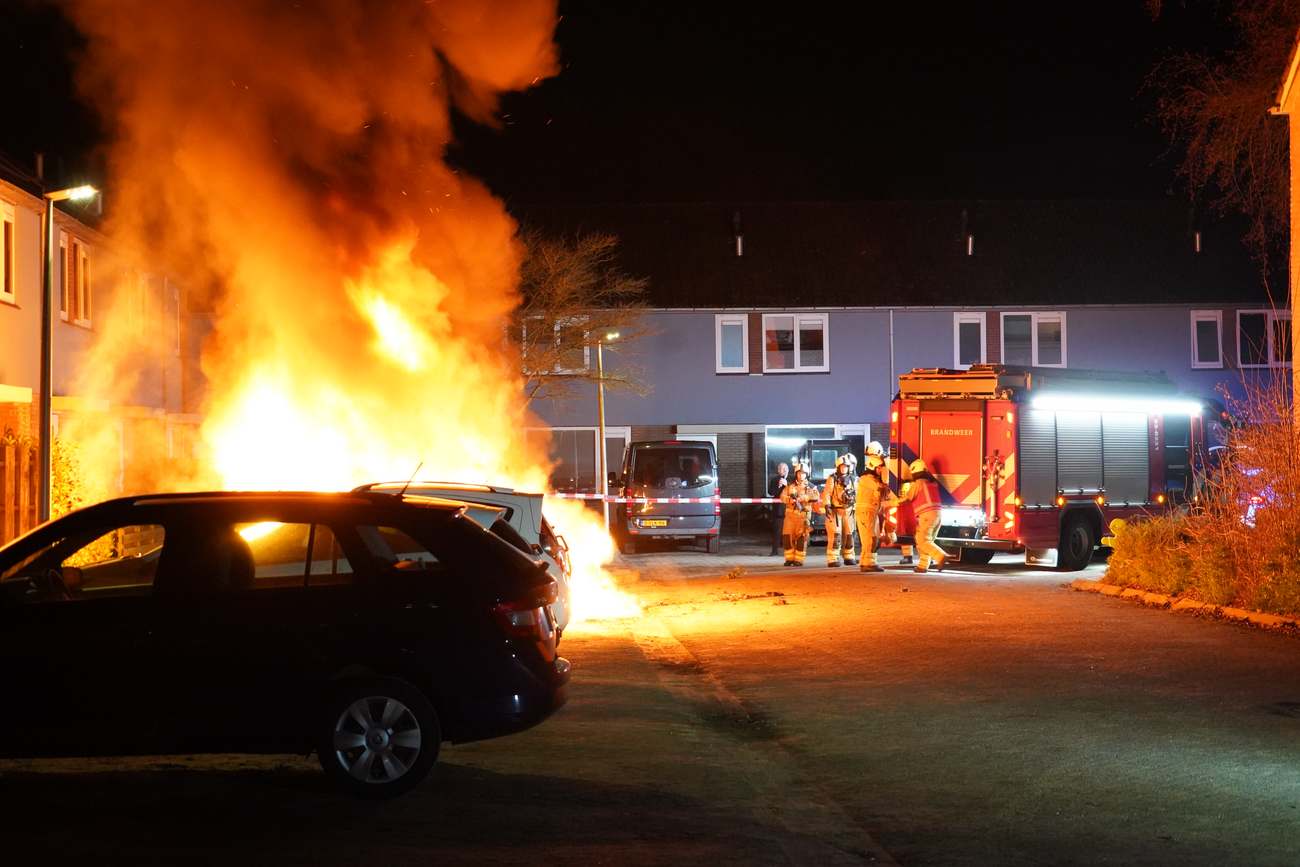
<point>655,522</point>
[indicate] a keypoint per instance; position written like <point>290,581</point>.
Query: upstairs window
<point>1263,338</point>
<point>1207,338</point>
<point>1033,339</point>
<point>75,300</point>
<point>9,279</point>
<point>967,339</point>
<point>551,346</point>
<point>64,274</point>
<point>795,343</point>
<point>731,336</point>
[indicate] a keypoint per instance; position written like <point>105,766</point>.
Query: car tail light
<point>717,502</point>
<point>526,617</point>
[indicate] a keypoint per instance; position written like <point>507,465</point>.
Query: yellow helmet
<point>917,466</point>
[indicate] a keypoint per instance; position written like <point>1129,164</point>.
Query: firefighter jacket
<point>839,492</point>
<point>798,497</point>
<point>873,496</point>
<point>923,494</point>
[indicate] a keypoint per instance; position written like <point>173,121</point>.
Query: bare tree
<point>1214,107</point>
<point>574,295</point>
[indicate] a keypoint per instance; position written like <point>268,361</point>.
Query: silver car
<point>521,513</point>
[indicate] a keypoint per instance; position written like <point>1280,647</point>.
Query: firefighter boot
<point>906,561</point>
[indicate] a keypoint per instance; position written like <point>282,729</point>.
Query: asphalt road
<point>988,717</point>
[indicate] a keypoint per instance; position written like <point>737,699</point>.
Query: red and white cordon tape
<point>613,499</point>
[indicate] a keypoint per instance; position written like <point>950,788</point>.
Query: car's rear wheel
<point>378,738</point>
<point>713,544</point>
<point>628,545</point>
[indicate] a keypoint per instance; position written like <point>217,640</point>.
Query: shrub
<point>1151,554</point>
<point>1238,544</point>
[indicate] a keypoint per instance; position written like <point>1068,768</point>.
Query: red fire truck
<point>1039,461</point>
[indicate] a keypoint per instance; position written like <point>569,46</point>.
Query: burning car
<point>521,523</point>
<point>366,627</point>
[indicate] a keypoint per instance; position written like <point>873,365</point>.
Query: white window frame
<point>85,308</point>
<point>561,371</point>
<point>64,298</point>
<point>1035,316</point>
<point>824,319</point>
<point>966,318</point>
<point>8,255</point>
<point>1215,316</point>
<point>1270,317</point>
<point>720,320</point>
<point>611,432</point>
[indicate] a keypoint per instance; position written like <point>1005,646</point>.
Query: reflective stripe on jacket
<point>924,495</point>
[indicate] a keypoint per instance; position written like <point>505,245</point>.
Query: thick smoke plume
<point>284,162</point>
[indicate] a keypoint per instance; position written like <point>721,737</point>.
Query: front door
<point>78,668</point>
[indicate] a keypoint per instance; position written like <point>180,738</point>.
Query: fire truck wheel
<point>976,556</point>
<point>1077,544</point>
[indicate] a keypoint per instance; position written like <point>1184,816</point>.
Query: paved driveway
<point>785,717</point>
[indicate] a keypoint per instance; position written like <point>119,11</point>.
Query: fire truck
<point>1039,461</point>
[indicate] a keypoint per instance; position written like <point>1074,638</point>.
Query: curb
<point>1160,600</point>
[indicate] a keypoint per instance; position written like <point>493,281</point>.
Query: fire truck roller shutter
<point>1078,451</point>
<point>1038,457</point>
<point>1127,473</point>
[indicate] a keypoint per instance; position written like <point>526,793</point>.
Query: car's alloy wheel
<point>382,738</point>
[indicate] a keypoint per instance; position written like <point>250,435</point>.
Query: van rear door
<point>672,469</point>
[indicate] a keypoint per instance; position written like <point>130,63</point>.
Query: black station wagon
<point>366,627</point>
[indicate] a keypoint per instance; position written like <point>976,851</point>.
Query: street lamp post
<point>609,337</point>
<point>73,194</point>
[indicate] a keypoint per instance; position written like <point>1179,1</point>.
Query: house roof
<point>917,253</point>
<point>1288,80</point>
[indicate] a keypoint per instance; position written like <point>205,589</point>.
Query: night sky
<point>674,101</point>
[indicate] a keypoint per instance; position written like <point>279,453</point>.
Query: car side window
<point>329,565</point>
<point>96,563</point>
<point>279,553</point>
<point>393,549</point>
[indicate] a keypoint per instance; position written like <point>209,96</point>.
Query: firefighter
<point>873,498</point>
<point>837,499</point>
<point>904,518</point>
<point>924,497</point>
<point>798,497</point>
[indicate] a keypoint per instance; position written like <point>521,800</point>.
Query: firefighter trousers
<point>794,535</point>
<point>868,536</point>
<point>927,530</point>
<point>839,534</point>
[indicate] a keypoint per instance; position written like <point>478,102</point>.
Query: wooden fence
<point>19,486</point>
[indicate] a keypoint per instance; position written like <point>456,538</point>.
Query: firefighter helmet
<point>917,466</point>
<point>875,448</point>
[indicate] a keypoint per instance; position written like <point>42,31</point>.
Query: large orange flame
<point>285,162</point>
